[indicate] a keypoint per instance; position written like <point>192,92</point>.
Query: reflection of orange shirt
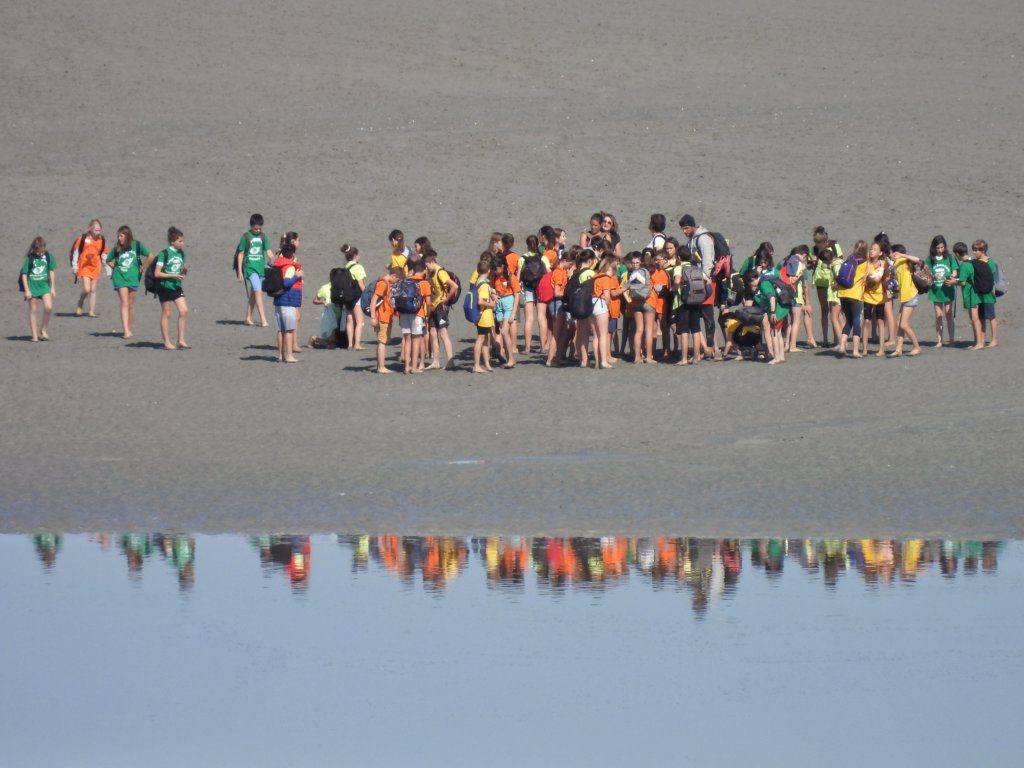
<point>90,256</point>
<point>558,280</point>
<point>382,294</point>
<point>658,277</point>
<point>506,286</point>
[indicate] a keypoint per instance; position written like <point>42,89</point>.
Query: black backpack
<point>453,278</point>
<point>273,282</point>
<point>531,273</point>
<point>983,281</point>
<point>344,290</point>
<point>579,297</point>
<point>785,294</point>
<point>149,277</point>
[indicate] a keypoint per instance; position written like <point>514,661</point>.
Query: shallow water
<point>127,648</point>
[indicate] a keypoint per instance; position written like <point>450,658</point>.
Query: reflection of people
<point>136,547</point>
<point>179,550</point>
<point>47,546</point>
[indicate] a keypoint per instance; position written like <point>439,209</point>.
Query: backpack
<point>149,276</point>
<point>723,255</point>
<point>793,265</point>
<point>531,272</point>
<point>579,297</point>
<point>847,272</point>
<point>273,282</point>
<point>471,305</point>
<point>453,278</point>
<point>694,286</point>
<point>922,277</point>
<point>406,296</point>
<point>545,292</point>
<point>983,281</point>
<point>785,295</point>
<point>344,290</point>
<point>1002,283</point>
<point>366,300</point>
<point>639,283</point>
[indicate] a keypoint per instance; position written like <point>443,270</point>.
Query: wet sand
<point>342,121</point>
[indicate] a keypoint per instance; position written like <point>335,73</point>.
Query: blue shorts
<point>911,303</point>
<point>554,307</point>
<point>987,311</point>
<point>613,325</point>
<point>255,281</point>
<point>503,309</point>
<point>526,297</point>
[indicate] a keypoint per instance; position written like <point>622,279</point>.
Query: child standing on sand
<point>251,258</point>
<point>287,304</point>
<point>87,257</point>
<point>169,271</point>
<point>985,270</point>
<point>485,325</point>
<point>37,285</point>
<point>943,267</point>
<point>127,264</point>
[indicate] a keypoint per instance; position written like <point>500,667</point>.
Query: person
<point>851,301</point>
<point>286,305</point>
<point>506,289</point>
<point>399,253</point>
<point>382,313</point>
<point>774,313</point>
<point>87,258</point>
<point>169,271</point>
<point>558,317</point>
<point>610,230</point>
<point>986,308</point>
<point>660,298</point>
<point>688,316</point>
<point>656,226</point>
<point>642,308</point>
<point>512,264</point>
<point>485,325</point>
<point>943,267</point>
<point>329,320</point>
<point>528,297</point>
<point>293,238</point>
<point>908,297</point>
<point>549,242</point>
<point>251,257</point>
<point>126,263</point>
<point>442,292</point>
<point>607,289</point>
<point>585,264</point>
<point>353,309</point>
<point>38,286</point>
<point>796,271</point>
<point>832,264</point>
<point>823,279</point>
<point>414,324</point>
<point>699,240</point>
<point>875,283</point>
<point>594,231</point>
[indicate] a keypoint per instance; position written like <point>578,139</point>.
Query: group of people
<point>579,304</point>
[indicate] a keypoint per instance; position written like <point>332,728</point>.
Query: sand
<point>450,119</point>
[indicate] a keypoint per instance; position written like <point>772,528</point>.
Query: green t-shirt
<point>128,265</point>
<point>989,298</point>
<point>254,253</point>
<point>941,269</point>
<point>38,268</point>
<point>765,292</point>
<point>171,261</point>
<point>966,274</point>
<point>356,270</point>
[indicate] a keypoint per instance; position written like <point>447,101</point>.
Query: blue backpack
<point>366,300</point>
<point>471,305</point>
<point>848,271</point>
<point>406,296</point>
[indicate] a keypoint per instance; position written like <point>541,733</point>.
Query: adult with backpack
<point>87,257</point>
<point>716,262</point>
<point>250,266</point>
<point>349,289</point>
<point>36,281</point>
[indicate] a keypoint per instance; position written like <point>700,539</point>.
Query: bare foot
<point>290,360</point>
<point>126,335</point>
<point>247,321</point>
<point>976,346</point>
<point>606,366</point>
<point>169,346</point>
<point>93,314</point>
<point>44,336</point>
<point>897,353</point>
<point>183,345</point>
<point>34,339</point>
<point>914,352</point>
<point>78,312</point>
<point>938,344</point>
<point>381,371</point>
<point>856,355</point>
<point>479,370</point>
<point>992,345</point>
<point>509,365</point>
<point>880,353</point>
<point>434,366</point>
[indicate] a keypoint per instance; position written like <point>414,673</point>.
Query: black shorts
<point>169,294</point>
<point>484,331</point>
<point>687,319</point>
<point>874,312</point>
<point>439,317</point>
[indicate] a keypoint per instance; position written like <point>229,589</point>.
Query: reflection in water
<point>708,569</point>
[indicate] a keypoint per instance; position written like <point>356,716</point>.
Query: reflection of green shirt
<point>38,268</point>
<point>254,253</point>
<point>941,269</point>
<point>128,266</point>
<point>966,274</point>
<point>171,262</point>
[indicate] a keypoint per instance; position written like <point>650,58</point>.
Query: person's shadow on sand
<point>108,334</point>
<point>259,358</point>
<point>230,322</point>
<point>145,345</point>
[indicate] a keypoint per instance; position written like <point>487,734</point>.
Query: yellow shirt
<point>856,291</point>
<point>874,293</point>
<point>484,293</point>
<point>399,260</point>
<point>908,291</point>
<point>438,292</point>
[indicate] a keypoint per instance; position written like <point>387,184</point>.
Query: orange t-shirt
<point>550,258</point>
<point>506,286</point>
<point>512,263</point>
<point>425,291</point>
<point>604,283</point>
<point>658,277</point>
<point>90,256</point>
<point>382,294</point>
<point>558,280</point>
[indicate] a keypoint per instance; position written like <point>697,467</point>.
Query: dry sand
<point>343,120</point>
